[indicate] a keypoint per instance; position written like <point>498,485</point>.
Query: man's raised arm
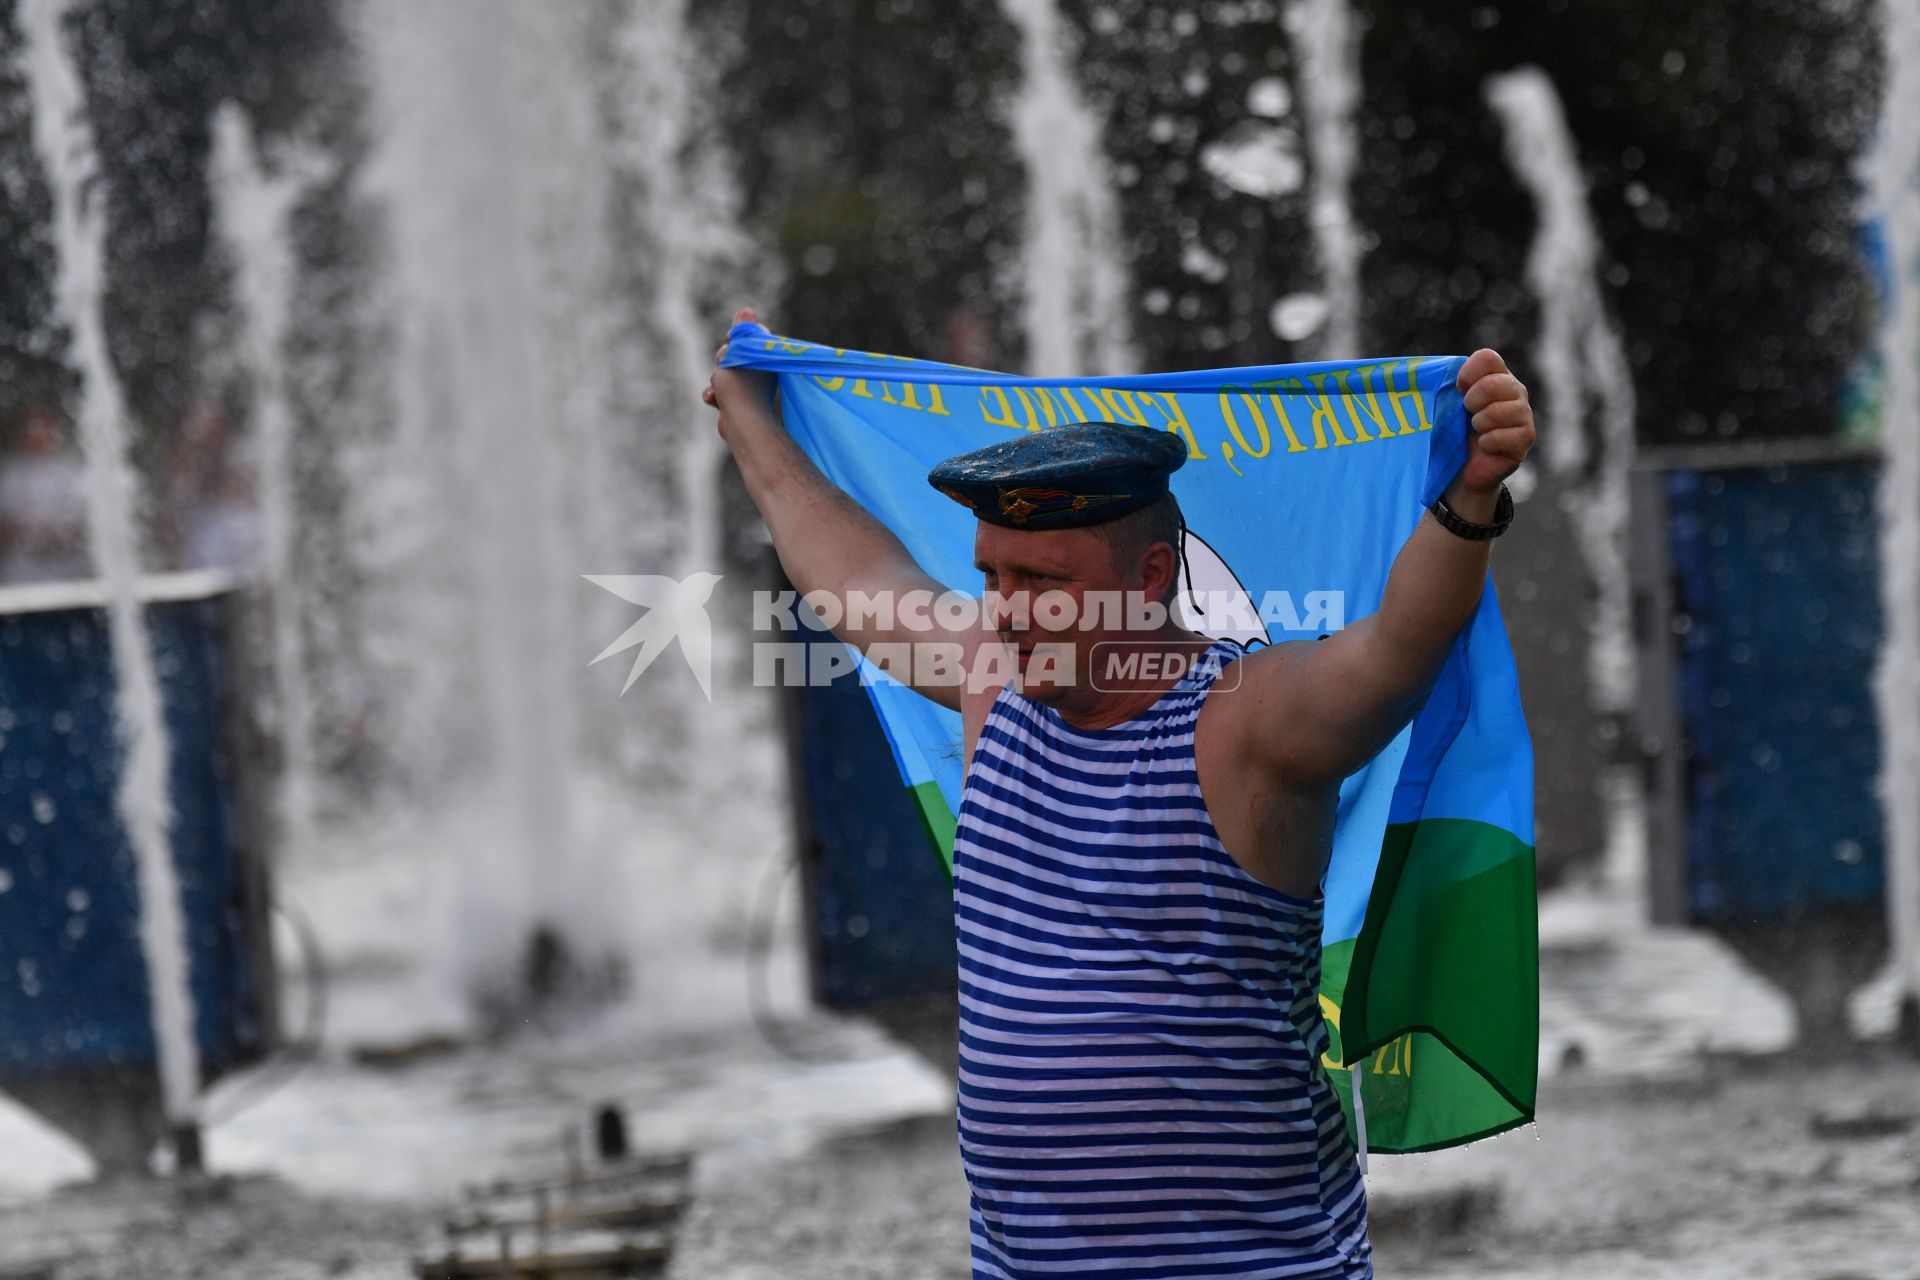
<point>1321,710</point>
<point>826,541</point>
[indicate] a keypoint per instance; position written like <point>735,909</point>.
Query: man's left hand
<point>1502,423</point>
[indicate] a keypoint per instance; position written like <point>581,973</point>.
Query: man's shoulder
<point>1261,669</point>
<point>1250,698</point>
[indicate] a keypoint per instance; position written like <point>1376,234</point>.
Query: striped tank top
<point>1141,1092</point>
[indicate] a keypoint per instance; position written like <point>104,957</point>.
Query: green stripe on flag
<point>940,822</point>
<point>1439,996</point>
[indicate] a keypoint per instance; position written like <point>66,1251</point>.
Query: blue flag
<point>1302,483</point>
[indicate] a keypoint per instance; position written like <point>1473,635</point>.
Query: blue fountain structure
<point>879,906</point>
<point>77,1042</point>
<point>1758,627</point>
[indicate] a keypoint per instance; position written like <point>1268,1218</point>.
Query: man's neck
<point>1122,700</point>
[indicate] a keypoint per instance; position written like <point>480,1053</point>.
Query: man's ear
<point>1159,571</point>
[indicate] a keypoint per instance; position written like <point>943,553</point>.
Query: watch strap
<point>1453,523</point>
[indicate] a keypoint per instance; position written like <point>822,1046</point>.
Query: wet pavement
<point>349,1169</point>
<point>1675,1138</point>
<point>846,1167</point>
<point>1689,1141</point>
<point>1716,1175</point>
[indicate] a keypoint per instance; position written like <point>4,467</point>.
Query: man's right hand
<point>738,392</point>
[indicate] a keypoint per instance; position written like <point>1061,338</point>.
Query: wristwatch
<point>1452,523</point>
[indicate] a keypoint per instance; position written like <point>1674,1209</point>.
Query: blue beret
<point>1078,474</point>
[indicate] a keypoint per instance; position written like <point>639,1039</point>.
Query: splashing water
<point>686,205</point>
<point>252,209</point>
<point>549,354</point>
<point>1077,305</point>
<point>1585,374</point>
<point>1329,52</point>
<point>484,166</point>
<point>1583,367</point>
<point>690,221</point>
<point>1896,199</point>
<point>64,139</point>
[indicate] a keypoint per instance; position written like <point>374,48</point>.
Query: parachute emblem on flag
<point>1213,601</point>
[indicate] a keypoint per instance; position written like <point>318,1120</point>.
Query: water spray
<point>63,136</point>
<point>1896,199</point>
<point>1077,298</point>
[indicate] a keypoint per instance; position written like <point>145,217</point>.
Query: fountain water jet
<point>688,225</point>
<point>1583,365</point>
<point>1896,199</point>
<point>1329,51</point>
<point>686,205</point>
<point>1587,378</point>
<point>548,355</point>
<point>465,95</point>
<point>252,209</point>
<point>64,139</point>
<point>1077,307</point>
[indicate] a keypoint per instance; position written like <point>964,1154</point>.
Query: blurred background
<point>354,923</point>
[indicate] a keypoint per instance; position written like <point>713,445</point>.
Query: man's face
<point>1073,563</point>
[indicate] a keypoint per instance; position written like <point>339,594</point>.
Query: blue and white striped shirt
<point>1141,1093</point>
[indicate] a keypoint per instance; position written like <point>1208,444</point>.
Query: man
<point>1140,847</point>
<point>43,505</point>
